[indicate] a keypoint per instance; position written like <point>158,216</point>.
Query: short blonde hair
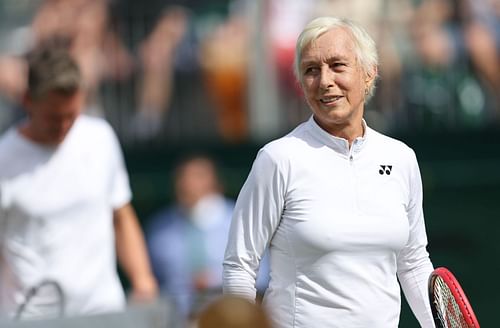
<point>365,49</point>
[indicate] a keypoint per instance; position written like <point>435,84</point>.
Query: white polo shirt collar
<point>340,145</point>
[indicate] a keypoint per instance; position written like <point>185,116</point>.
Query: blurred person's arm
<point>13,78</point>
<point>132,254</point>
<point>157,61</point>
<point>155,85</point>
<point>481,46</point>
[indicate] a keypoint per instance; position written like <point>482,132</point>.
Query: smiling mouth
<point>330,100</point>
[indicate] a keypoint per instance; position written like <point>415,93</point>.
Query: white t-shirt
<point>56,223</point>
<point>342,224</point>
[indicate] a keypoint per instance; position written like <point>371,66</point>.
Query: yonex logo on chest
<point>385,169</point>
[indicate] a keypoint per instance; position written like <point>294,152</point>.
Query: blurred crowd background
<point>166,71</point>
<point>184,75</point>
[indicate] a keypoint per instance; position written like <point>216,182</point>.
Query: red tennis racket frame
<point>458,294</point>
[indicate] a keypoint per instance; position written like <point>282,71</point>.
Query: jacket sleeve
<point>256,216</point>
<point>414,264</point>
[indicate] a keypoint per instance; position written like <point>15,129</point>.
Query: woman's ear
<point>370,77</point>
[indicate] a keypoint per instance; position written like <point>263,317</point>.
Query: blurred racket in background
<point>42,301</point>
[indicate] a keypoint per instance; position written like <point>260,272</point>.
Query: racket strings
<point>465,303</point>
<point>448,309</point>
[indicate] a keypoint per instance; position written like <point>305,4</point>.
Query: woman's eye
<point>310,70</point>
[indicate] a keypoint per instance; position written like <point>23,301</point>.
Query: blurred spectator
<point>284,22</point>
<point>233,312</point>
<point>441,88</point>
<point>86,27</point>
<point>162,70</point>
<point>12,79</point>
<point>224,59</point>
<point>187,239</point>
<point>172,88</point>
<point>65,201</point>
<point>12,85</point>
<point>92,40</point>
<point>481,28</point>
<point>157,54</point>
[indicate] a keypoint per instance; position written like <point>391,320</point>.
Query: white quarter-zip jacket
<point>342,225</point>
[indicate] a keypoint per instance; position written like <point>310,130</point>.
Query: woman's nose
<point>327,78</point>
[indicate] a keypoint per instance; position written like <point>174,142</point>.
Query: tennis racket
<point>449,305</point>
<point>41,301</point>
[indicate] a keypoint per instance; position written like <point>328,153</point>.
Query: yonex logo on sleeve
<point>385,169</point>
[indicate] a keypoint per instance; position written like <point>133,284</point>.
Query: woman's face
<point>333,81</point>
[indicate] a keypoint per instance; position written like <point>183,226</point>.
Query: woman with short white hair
<point>338,204</point>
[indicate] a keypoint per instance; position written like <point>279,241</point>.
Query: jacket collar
<point>340,145</point>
